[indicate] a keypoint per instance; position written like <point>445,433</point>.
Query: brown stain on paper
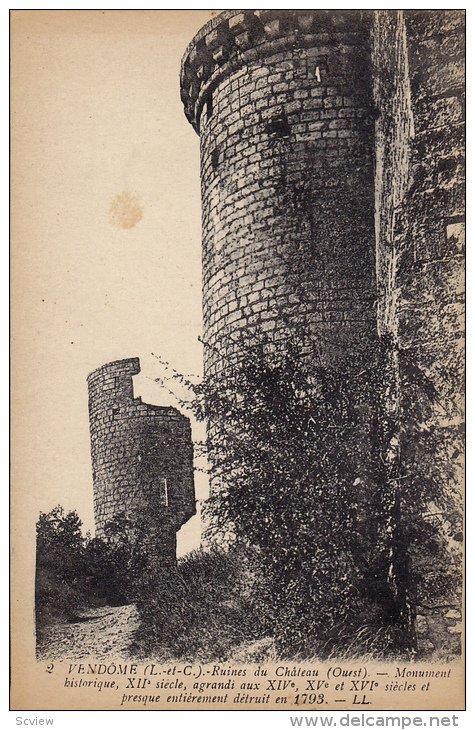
<point>125,211</point>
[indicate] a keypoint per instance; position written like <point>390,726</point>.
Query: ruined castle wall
<point>419,77</point>
<point>142,458</point>
<point>418,65</point>
<point>282,103</point>
<point>431,276</point>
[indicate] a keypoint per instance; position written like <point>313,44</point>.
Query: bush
<point>74,572</point>
<point>201,611</point>
<point>59,566</point>
<point>293,468</point>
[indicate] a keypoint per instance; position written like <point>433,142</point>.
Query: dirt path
<point>101,632</point>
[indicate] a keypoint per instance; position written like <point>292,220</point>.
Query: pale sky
<point>96,114</point>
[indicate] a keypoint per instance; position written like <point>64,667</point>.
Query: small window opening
<point>278,127</point>
<point>215,158</point>
<point>209,106</point>
<point>163,493</point>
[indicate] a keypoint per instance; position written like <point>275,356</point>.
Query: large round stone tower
<point>282,103</point>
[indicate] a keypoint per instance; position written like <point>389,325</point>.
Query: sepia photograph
<point>238,359</point>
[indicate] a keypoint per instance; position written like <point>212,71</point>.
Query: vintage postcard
<point>237,359</point>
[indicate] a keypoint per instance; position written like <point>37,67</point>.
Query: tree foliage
<point>74,572</point>
<point>291,451</point>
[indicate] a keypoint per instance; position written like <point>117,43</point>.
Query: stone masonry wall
<point>418,66</point>
<point>282,103</point>
<point>142,459</point>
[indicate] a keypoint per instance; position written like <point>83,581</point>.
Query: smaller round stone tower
<point>142,460</point>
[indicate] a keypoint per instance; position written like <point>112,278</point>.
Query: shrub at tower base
<point>301,478</point>
<point>293,477</point>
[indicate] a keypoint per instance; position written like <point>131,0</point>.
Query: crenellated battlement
<point>236,37</point>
